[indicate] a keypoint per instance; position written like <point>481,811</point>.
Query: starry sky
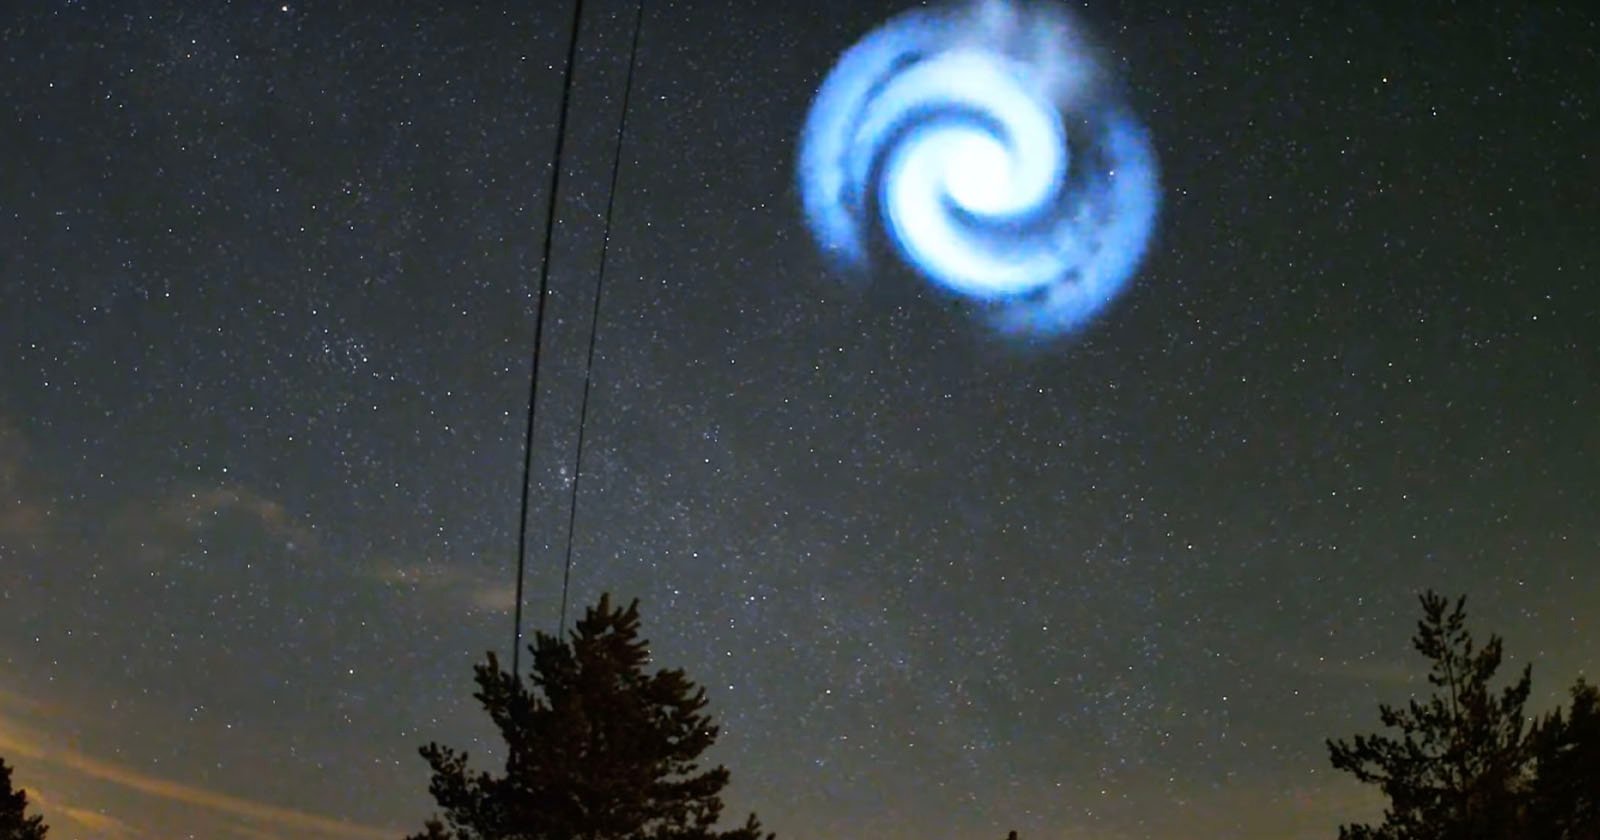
<point>267,294</point>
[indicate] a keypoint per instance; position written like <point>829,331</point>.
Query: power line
<point>594,321</point>
<point>538,326</point>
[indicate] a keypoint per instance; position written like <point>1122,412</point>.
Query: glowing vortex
<point>993,154</point>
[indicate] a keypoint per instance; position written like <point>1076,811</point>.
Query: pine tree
<point>1564,800</point>
<point>1459,765</point>
<point>596,749</point>
<point>15,824</point>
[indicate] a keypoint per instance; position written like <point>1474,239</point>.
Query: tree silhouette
<point>15,824</point>
<point>1564,799</point>
<point>1458,767</point>
<point>596,749</point>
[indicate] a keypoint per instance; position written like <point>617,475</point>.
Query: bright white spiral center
<point>980,180</point>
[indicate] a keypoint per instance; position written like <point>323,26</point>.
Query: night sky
<point>268,284</point>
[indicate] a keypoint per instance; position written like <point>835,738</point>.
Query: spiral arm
<point>986,145</point>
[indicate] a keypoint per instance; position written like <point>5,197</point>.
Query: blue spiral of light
<point>989,146</point>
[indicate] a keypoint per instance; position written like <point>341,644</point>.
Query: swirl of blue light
<point>995,158</point>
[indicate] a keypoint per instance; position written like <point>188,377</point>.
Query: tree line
<point>1467,762</point>
<point>599,748</point>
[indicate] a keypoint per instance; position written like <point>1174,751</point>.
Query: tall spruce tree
<point>596,748</point>
<point>15,824</point>
<point>1458,766</point>
<point>1564,799</point>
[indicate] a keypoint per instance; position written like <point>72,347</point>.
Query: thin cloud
<point>249,833</point>
<point>189,511</point>
<point>20,517</point>
<point>16,740</point>
<point>500,599</point>
<point>448,584</point>
<point>100,825</point>
<point>96,824</point>
<point>146,532</point>
<point>21,520</point>
<point>1371,671</point>
<point>18,703</point>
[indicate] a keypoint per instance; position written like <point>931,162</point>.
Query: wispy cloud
<point>97,824</point>
<point>145,531</point>
<point>23,705</point>
<point>21,516</point>
<point>249,833</point>
<point>449,584</point>
<point>148,532</point>
<point>268,820</point>
<point>189,510</point>
<point>501,598</point>
<point>1378,672</point>
<point>1303,812</point>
